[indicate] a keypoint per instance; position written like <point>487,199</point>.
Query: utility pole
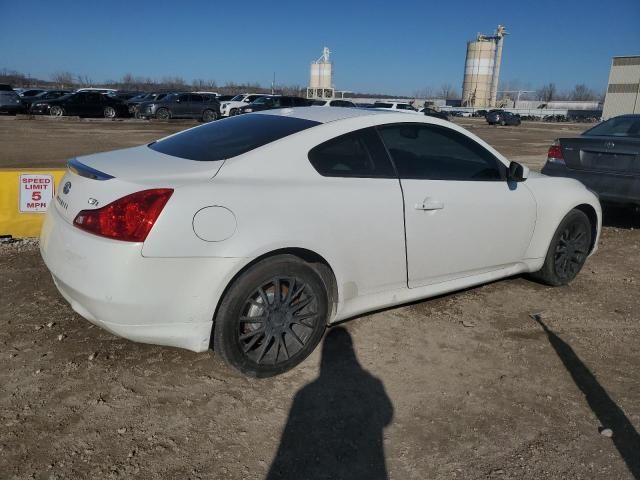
<point>273,84</point>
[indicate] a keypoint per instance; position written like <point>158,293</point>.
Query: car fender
<point>555,198</point>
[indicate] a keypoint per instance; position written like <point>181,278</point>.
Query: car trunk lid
<point>602,154</point>
<point>96,180</point>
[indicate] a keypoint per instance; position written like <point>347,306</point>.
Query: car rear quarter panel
<point>280,201</point>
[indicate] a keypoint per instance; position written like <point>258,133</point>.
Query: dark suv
<point>501,117</point>
<point>276,101</point>
<point>181,105</point>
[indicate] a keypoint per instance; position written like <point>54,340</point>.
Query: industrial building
<point>321,77</point>
<point>623,91</point>
<point>482,69</point>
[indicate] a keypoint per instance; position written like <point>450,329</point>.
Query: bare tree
<point>62,79</point>
<point>448,91</point>
<point>547,92</point>
<point>582,92</point>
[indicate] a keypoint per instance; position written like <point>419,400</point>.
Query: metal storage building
<point>623,91</point>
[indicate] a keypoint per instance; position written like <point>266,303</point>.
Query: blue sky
<point>378,46</point>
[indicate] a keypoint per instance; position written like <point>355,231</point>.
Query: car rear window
<point>617,127</point>
<point>230,137</point>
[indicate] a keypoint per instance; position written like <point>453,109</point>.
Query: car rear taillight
<point>555,154</point>
<point>129,218</point>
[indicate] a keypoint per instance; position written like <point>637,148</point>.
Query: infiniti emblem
<point>66,188</point>
<point>609,145</point>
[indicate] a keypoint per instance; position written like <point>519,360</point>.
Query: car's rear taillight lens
<point>555,154</point>
<point>129,218</point>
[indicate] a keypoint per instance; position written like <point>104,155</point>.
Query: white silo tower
<point>321,77</point>
<point>482,69</point>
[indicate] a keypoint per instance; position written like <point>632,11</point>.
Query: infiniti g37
<point>255,233</point>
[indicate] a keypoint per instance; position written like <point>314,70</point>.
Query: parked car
<point>435,113</point>
<point>31,92</point>
<point>83,104</point>
<point>230,108</point>
<point>333,103</point>
<point>480,113</point>
<point>9,100</point>
<point>181,105</point>
<point>175,250</point>
<point>133,103</point>
<point>405,107</point>
<point>606,158</point>
<point>45,95</point>
<point>502,117</point>
<point>279,101</point>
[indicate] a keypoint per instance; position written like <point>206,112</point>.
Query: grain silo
<point>482,70</point>
<point>321,77</point>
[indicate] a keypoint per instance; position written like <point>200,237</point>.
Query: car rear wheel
<point>109,112</point>
<point>163,114</point>
<point>272,317</point>
<point>233,111</point>
<point>209,115</point>
<point>56,111</point>
<point>568,250</point>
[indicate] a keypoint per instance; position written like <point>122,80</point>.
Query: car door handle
<point>430,204</point>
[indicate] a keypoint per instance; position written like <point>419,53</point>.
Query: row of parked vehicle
<point>165,105</point>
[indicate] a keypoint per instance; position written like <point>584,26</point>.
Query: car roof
<point>325,115</point>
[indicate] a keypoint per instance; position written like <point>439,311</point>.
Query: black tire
<point>233,112</point>
<point>163,114</point>
<point>284,333</point>
<point>209,115</point>
<point>568,250</point>
<point>109,112</point>
<point>56,111</point>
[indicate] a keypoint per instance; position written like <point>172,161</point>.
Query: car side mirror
<point>517,172</point>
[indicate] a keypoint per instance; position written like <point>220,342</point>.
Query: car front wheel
<point>272,317</point>
<point>568,250</point>
<point>163,114</point>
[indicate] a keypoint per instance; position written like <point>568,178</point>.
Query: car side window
<point>439,153</point>
<point>183,98</point>
<point>356,154</point>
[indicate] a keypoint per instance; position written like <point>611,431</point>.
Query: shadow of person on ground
<point>625,437</point>
<point>335,426</point>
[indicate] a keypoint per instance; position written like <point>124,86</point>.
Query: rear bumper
<point>163,301</point>
<point>610,187</point>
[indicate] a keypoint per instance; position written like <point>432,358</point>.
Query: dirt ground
<point>465,386</point>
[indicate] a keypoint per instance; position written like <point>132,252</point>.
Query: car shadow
<point>335,425</point>
<point>625,437</point>
<point>620,217</point>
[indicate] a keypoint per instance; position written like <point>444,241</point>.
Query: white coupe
<point>254,233</point>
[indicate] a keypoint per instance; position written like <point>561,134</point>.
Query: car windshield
<point>617,127</point>
<point>237,98</point>
<point>230,137</point>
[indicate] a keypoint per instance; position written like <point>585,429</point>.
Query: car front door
<point>462,217</point>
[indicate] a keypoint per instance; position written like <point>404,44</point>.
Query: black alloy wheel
<point>272,317</point>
